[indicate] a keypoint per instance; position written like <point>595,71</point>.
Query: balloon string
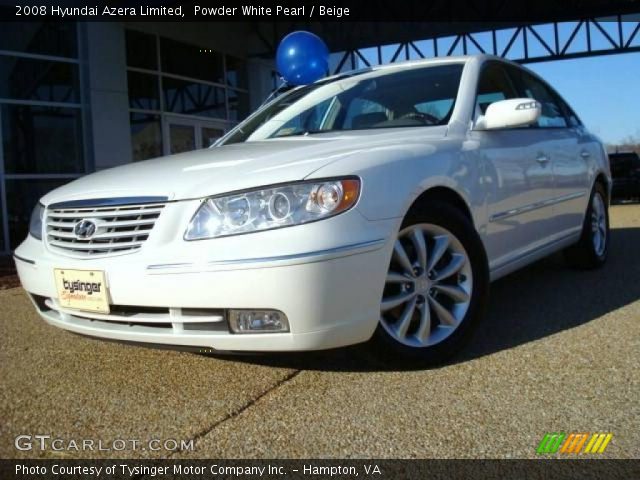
<point>279,88</point>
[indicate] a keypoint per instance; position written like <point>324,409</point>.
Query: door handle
<point>542,158</point>
<point>585,154</point>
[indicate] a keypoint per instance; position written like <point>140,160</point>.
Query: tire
<point>418,331</point>
<point>588,253</point>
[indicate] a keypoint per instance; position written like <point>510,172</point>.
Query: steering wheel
<point>425,118</point>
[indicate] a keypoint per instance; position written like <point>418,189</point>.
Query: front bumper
<point>331,296</point>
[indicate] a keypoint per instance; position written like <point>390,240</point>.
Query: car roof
<point>423,62</point>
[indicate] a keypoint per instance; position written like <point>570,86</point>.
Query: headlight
<point>35,224</point>
<point>272,207</point>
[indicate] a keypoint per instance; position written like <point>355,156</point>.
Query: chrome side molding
<point>307,257</point>
<point>534,206</point>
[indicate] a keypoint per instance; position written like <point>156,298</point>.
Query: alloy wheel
<point>428,287</point>
<point>598,224</point>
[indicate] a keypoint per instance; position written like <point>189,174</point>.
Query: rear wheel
<point>593,246</point>
<point>436,288</point>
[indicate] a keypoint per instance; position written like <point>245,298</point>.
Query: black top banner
<point>303,11</point>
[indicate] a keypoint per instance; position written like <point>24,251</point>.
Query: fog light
<point>258,321</point>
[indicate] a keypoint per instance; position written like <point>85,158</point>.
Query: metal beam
<point>520,39</point>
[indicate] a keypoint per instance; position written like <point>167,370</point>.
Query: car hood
<point>235,167</point>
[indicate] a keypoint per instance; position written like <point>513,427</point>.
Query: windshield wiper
<point>306,132</point>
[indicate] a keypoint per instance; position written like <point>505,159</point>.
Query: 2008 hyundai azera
<point>376,205</point>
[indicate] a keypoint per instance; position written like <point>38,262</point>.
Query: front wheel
<point>436,289</point>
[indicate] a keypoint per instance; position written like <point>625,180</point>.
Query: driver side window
<point>552,115</point>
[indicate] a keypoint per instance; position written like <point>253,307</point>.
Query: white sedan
<point>376,205</point>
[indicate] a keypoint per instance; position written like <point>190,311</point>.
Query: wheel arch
<point>602,179</point>
<point>443,194</point>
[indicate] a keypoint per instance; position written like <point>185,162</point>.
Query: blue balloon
<point>302,58</point>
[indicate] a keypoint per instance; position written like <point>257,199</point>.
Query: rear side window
<point>572,118</point>
<point>494,85</point>
<point>552,112</point>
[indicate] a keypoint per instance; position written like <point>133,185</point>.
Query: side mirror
<point>516,112</point>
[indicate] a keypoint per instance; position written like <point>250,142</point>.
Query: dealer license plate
<point>82,290</point>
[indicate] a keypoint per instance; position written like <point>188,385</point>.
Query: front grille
<point>117,228</point>
<point>125,317</point>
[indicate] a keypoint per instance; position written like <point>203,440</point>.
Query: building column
<point>110,134</point>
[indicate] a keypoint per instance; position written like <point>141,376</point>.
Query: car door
<point>517,176</point>
<point>568,146</point>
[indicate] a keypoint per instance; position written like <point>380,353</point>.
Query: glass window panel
<point>38,139</point>
<point>22,196</point>
<point>237,72</point>
<point>494,85</point>
<point>192,98</point>
<point>2,245</point>
<point>182,138</point>
<point>143,91</point>
<point>141,50</point>
<point>361,109</point>
<point>29,79</point>
<point>45,38</point>
<point>552,114</point>
<point>191,61</point>
<point>146,136</point>
<point>238,105</point>
<point>210,135</point>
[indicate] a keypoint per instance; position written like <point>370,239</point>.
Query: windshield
<point>408,98</point>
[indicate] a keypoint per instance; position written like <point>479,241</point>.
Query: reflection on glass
<point>191,61</point>
<point>182,138</point>
<point>141,50</point>
<point>238,105</point>
<point>191,98</point>
<point>146,136</point>
<point>210,135</point>
<point>327,105</point>
<point>29,79</point>
<point>39,139</point>
<point>22,196</point>
<point>2,246</point>
<point>45,38</point>
<point>236,72</point>
<point>143,91</point>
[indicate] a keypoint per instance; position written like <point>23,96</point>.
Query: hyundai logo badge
<point>84,229</point>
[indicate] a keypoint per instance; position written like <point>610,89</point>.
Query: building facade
<point>81,97</point>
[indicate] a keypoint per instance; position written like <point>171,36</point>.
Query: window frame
<point>80,105</point>
<point>166,115</point>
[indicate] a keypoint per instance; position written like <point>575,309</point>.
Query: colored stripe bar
<point>595,447</point>
<point>578,447</point>
<point>594,437</point>
<point>605,443</point>
<point>554,445</point>
<point>543,444</point>
<point>568,444</point>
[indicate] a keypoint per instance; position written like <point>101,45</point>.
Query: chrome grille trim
<point>107,202</point>
<point>119,228</point>
<point>129,314</point>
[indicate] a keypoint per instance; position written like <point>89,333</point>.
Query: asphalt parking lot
<point>559,352</point>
